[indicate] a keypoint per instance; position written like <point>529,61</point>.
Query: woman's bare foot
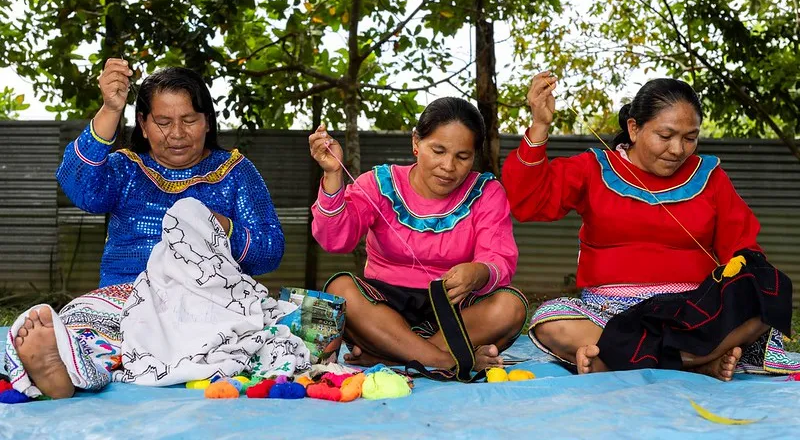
<point>359,357</point>
<point>37,349</point>
<point>722,367</point>
<point>587,359</point>
<point>487,356</point>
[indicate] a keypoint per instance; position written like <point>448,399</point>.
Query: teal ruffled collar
<point>683,191</point>
<point>435,223</point>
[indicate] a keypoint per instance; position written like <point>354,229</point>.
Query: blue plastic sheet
<point>633,404</point>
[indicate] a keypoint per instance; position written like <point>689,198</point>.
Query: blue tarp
<point>633,404</point>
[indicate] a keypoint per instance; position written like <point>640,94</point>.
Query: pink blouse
<point>472,225</point>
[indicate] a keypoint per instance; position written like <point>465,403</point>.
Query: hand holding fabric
<point>464,279</point>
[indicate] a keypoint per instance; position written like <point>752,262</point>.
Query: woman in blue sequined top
<point>174,154</point>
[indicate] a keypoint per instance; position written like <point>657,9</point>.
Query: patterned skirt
<point>88,334</point>
<point>765,356</point>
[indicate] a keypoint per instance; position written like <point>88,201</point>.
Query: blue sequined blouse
<point>137,191</point>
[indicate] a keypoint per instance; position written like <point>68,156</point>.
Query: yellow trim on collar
<point>179,186</point>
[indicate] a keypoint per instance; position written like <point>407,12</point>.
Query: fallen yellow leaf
<point>711,417</point>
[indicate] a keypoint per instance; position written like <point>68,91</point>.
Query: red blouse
<point>626,236</point>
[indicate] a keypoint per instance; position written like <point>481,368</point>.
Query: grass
<point>7,316</point>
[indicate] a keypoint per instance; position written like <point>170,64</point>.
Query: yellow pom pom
<point>304,381</point>
<point>518,375</point>
<point>734,266</point>
<point>242,379</point>
<point>496,375</point>
<point>384,385</point>
<point>198,384</point>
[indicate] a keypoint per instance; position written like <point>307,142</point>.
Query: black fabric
<point>412,304</point>
<point>455,333</point>
<point>653,333</point>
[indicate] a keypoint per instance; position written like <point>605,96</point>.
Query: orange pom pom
<point>304,381</point>
<point>351,387</point>
<point>221,390</point>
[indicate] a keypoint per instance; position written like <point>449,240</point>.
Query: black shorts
<point>414,305</point>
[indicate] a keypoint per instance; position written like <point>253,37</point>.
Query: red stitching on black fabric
<point>639,347</point>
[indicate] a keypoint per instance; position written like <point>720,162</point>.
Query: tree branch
<point>313,90</point>
<point>355,59</point>
<point>421,88</point>
<point>270,44</point>
<point>738,91</point>
<point>293,68</point>
<point>386,36</point>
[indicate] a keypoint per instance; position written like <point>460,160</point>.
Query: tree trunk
<point>352,108</point>
<point>112,48</point>
<point>315,173</point>
<point>353,159</point>
<point>486,87</point>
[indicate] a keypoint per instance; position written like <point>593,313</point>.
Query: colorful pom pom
<point>198,384</point>
<point>336,379</point>
<point>325,391</point>
<point>260,390</point>
<point>304,381</point>
<point>385,384</point>
<point>520,375</point>
<point>351,387</point>
<point>496,375</point>
<point>287,390</point>
<point>13,396</point>
<point>221,390</point>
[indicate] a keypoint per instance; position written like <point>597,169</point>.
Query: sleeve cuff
<point>90,148</point>
<point>532,153</point>
<point>491,283</point>
<point>330,204</point>
<point>101,139</point>
<point>240,242</point>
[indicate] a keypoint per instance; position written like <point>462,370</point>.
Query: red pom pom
<point>260,390</point>
<point>324,391</point>
<point>5,386</point>
<point>336,379</point>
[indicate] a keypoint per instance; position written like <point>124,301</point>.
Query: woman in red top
<point>631,248</point>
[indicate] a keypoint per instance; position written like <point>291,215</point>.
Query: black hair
<point>174,79</point>
<point>654,96</point>
<point>443,111</point>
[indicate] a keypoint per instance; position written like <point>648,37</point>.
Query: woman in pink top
<point>456,221</point>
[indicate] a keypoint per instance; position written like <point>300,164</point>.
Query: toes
<point>18,341</point>
<point>592,351</point>
<point>356,351</point>
<point>22,332</point>
<point>36,318</point>
<point>488,351</point>
<point>28,322</point>
<point>45,316</point>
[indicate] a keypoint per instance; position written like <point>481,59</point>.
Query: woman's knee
<point>507,308</point>
<point>552,332</point>
<point>343,286</point>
